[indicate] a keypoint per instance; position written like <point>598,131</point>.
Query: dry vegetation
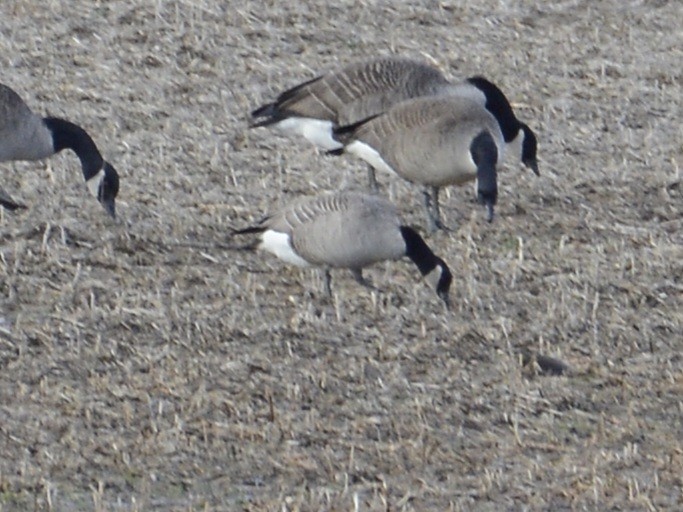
<point>144,365</point>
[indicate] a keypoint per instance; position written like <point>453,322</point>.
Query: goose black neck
<point>529,148</point>
<point>425,260</point>
<point>67,135</point>
<point>420,253</point>
<point>485,156</point>
<point>499,106</point>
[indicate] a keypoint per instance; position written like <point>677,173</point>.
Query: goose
<point>433,141</point>
<point>348,230</point>
<point>26,136</point>
<point>367,88</point>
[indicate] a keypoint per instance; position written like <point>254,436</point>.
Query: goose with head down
<point>347,230</point>
<point>26,136</point>
<point>366,88</point>
<point>434,142</point>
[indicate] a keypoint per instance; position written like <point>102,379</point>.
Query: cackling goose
<point>27,136</point>
<point>367,88</point>
<point>432,141</point>
<point>347,230</point>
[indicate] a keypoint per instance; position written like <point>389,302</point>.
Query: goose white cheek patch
<point>317,131</point>
<point>512,151</point>
<point>95,182</point>
<point>433,277</point>
<point>370,155</point>
<point>279,244</point>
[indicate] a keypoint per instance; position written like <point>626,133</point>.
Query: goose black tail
<point>248,231</point>
<point>485,155</point>
<point>251,246</point>
<point>269,112</point>
<point>345,133</point>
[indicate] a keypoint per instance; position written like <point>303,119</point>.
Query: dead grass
<point>146,367</point>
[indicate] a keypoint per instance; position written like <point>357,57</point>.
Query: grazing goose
<point>434,141</point>
<point>367,88</point>
<point>347,230</point>
<point>26,136</point>
<point>519,138</point>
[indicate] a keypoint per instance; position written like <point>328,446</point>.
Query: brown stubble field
<point>146,365</point>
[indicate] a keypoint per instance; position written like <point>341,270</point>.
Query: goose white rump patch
<point>317,131</point>
<point>279,244</point>
<point>370,155</point>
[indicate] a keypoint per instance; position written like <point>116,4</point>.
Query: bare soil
<point>147,365</point>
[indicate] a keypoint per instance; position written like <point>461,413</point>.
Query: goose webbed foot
<point>358,276</point>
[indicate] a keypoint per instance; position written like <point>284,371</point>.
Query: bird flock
<point>400,116</point>
<point>405,118</point>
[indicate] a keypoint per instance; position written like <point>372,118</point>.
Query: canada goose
<point>26,136</point>
<point>367,88</point>
<point>347,230</point>
<point>434,141</point>
<point>519,138</point>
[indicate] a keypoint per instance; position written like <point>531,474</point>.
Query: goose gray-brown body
<point>26,136</point>
<point>432,141</point>
<point>346,230</point>
<point>363,89</point>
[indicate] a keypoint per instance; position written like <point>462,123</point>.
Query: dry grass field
<point>147,365</point>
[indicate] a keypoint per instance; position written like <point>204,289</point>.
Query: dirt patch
<point>144,365</point>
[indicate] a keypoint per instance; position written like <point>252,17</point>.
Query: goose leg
<point>328,283</point>
<point>372,180</point>
<point>358,276</point>
<point>437,208</point>
<point>428,209</point>
<point>431,202</point>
